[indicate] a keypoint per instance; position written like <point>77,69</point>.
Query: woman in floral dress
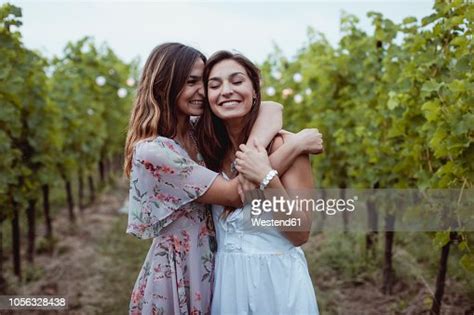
<point>169,186</point>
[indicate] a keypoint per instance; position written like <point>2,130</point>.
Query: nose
<point>201,89</point>
<point>227,89</point>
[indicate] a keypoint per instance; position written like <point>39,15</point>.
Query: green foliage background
<point>395,106</point>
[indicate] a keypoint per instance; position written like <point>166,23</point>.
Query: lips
<point>196,102</point>
<point>229,103</point>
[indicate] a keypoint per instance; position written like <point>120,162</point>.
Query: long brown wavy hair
<point>212,136</point>
<point>154,111</point>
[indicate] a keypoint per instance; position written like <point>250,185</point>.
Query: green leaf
<point>463,64</point>
<point>396,131</point>
<point>463,246</point>
<point>467,262</point>
<point>431,86</point>
<point>393,103</point>
<point>431,110</point>
<point>457,86</point>
<point>429,19</point>
<point>437,143</point>
<point>393,100</point>
<point>379,34</point>
<point>441,238</point>
<point>454,21</point>
<point>409,20</point>
<point>460,41</point>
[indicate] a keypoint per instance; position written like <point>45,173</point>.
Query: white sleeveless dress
<point>257,270</point>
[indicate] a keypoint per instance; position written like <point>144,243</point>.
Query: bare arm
<point>298,176</point>
<point>268,123</point>
<point>284,154</point>
<point>222,192</point>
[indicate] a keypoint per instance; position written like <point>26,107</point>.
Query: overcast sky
<point>133,28</point>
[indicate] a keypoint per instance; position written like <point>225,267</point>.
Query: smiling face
<point>229,90</point>
<point>191,98</point>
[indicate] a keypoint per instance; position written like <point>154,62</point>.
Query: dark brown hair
<point>154,110</point>
<point>213,139</point>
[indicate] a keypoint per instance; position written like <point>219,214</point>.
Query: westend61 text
<point>280,204</point>
<point>274,222</point>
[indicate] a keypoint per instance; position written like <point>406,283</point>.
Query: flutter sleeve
<point>162,180</point>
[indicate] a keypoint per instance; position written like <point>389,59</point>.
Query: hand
<point>310,141</point>
<point>253,164</point>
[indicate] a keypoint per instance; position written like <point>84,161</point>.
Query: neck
<point>182,128</point>
<point>234,129</point>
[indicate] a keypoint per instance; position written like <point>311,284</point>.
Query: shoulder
<point>155,147</point>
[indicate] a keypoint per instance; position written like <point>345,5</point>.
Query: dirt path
<point>80,266</point>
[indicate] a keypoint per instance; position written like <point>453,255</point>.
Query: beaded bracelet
<point>267,179</point>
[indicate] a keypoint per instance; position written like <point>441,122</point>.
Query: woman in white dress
<point>257,270</point>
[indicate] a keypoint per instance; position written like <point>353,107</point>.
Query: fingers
<point>238,165</point>
<point>240,161</point>
<point>316,131</point>
<point>244,148</point>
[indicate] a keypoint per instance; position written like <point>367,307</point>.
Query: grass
<point>347,281</point>
<point>124,256</point>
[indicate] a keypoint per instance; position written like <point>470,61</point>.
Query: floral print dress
<point>177,275</point>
